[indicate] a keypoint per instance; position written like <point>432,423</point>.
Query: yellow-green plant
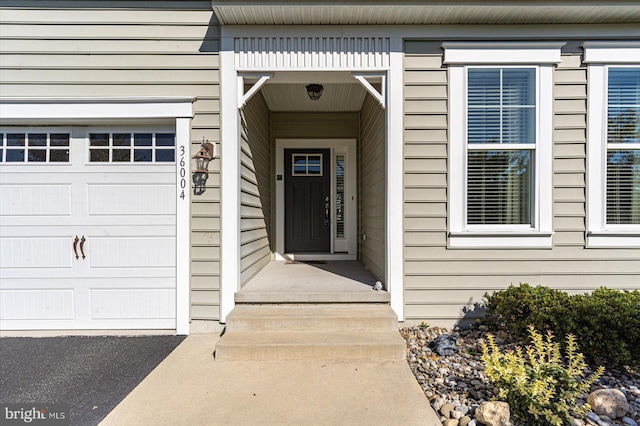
<point>540,388</point>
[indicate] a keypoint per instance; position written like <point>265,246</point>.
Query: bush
<point>605,322</point>
<point>518,307</point>
<point>539,387</point>
<point>608,323</point>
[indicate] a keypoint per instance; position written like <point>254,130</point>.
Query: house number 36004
<point>183,172</point>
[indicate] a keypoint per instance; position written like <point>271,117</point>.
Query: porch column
<point>394,185</point>
<point>229,180</point>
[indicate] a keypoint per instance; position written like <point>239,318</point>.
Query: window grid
<point>131,147</point>
<point>306,165</point>
<point>622,204</point>
<point>37,147</point>
<point>500,180</point>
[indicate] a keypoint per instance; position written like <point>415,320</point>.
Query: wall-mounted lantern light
<point>314,91</point>
<point>202,157</point>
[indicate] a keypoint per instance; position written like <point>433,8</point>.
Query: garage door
<point>87,228</point>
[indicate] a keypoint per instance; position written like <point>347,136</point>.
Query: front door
<point>307,200</point>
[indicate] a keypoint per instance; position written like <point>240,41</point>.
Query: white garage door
<point>87,229</point>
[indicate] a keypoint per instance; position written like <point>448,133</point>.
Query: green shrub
<point>608,323</point>
<point>605,322</point>
<point>539,387</point>
<point>518,307</point>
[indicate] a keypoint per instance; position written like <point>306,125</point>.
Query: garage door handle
<point>75,247</point>
<point>82,246</point>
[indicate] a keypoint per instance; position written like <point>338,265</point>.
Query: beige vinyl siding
<point>255,196</point>
<point>372,186</point>
<point>443,286</point>
<point>131,50</point>
<point>314,125</point>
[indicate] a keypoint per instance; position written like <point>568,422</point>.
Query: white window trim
<point>542,56</point>
<point>600,56</point>
<point>81,111</point>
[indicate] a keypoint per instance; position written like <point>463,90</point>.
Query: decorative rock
<point>446,410</point>
<point>629,421</point>
<point>464,421</point>
<point>455,414</point>
<point>578,422</point>
<point>472,423</point>
<point>593,417</point>
<point>438,403</point>
<point>609,402</point>
<point>450,422</point>
<point>445,344</point>
<point>493,413</point>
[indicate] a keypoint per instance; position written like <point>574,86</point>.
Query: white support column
<point>183,202</point>
<point>230,180</point>
<point>394,184</point>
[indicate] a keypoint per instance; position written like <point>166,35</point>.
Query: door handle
<point>75,247</point>
<point>81,247</point>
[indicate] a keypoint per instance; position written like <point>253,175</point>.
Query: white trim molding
<point>611,52</point>
<point>601,56</point>
<point>542,56</point>
<point>179,111</point>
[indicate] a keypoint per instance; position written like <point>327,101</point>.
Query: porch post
<point>229,180</point>
<point>394,184</point>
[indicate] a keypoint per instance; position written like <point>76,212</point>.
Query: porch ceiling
<point>337,97</point>
<point>420,12</point>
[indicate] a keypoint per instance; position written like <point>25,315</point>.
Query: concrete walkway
<point>190,388</point>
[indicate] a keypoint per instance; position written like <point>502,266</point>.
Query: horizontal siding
<point>446,286</point>
<point>255,196</point>
<point>340,125</point>
<point>131,49</point>
<point>372,187</point>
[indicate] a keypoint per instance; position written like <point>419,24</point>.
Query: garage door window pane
<point>59,139</point>
<point>99,155</point>
<point>59,156</point>
<point>37,155</point>
<point>37,139</point>
<point>121,155</point>
<point>165,139</point>
<point>121,139</point>
<point>142,139</point>
<point>165,155</point>
<point>142,155</point>
<point>14,139</point>
<point>99,139</point>
<point>15,155</point>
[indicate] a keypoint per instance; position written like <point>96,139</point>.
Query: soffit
<point>435,12</point>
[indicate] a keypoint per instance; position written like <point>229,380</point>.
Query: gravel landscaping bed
<point>456,385</point>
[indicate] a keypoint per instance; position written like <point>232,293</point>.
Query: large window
<point>623,146</point>
<point>613,142</point>
<point>500,143</point>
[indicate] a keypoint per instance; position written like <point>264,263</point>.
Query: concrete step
<point>246,296</point>
<point>311,317</point>
<point>298,345</point>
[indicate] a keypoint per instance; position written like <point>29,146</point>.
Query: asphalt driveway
<point>90,373</point>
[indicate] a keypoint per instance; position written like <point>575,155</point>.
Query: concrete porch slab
<point>190,388</point>
<point>311,282</point>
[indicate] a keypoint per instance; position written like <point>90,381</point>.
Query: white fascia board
<point>621,52</point>
<point>502,53</point>
<point>94,109</point>
<point>437,32</point>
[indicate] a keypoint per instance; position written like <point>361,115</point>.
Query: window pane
<point>165,155</point>
<point>484,87</point>
<point>518,87</point>
<point>518,125</point>
<point>623,187</point>
<point>142,155</point>
<point>340,174</point>
<point>99,155</point>
<point>1,155</point>
<point>484,125</point>
<point>37,155</point>
<point>15,139</point>
<point>623,124</point>
<point>15,155</point>
<point>121,139</point>
<point>121,155</point>
<point>142,139</point>
<point>59,156</point>
<point>59,139</point>
<point>99,139</point>
<point>314,167</point>
<point>499,187</point>
<point>37,139</point>
<point>165,139</point>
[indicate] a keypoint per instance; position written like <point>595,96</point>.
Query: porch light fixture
<point>314,91</point>
<point>202,157</point>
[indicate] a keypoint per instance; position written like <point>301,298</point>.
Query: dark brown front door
<point>307,197</point>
